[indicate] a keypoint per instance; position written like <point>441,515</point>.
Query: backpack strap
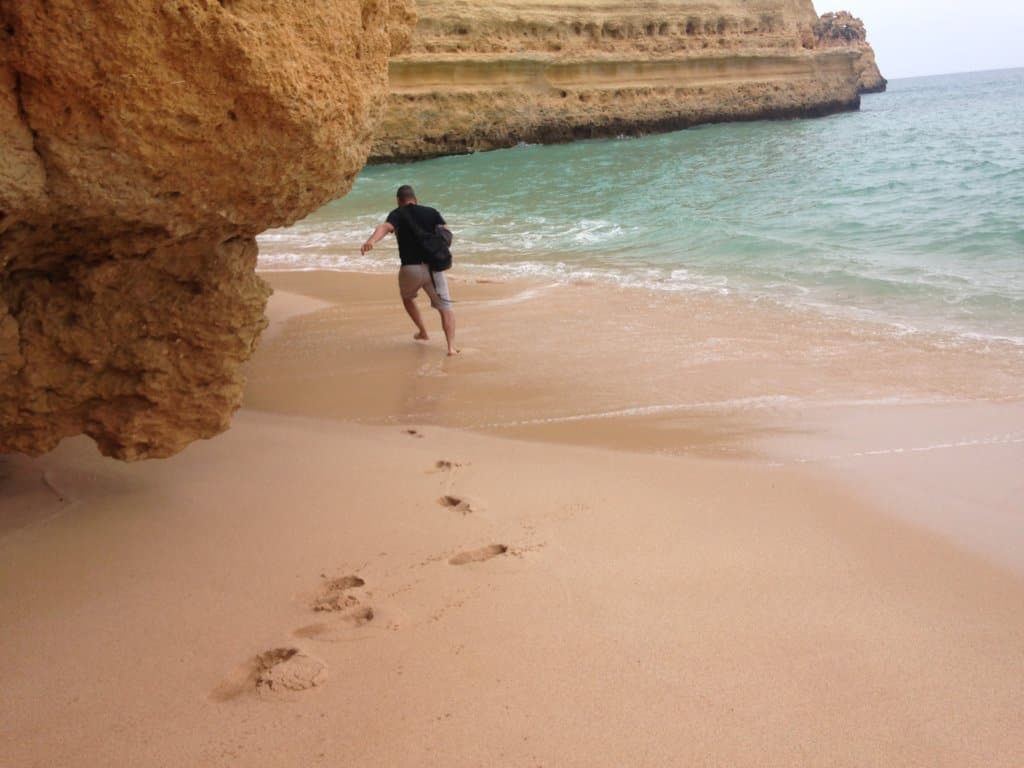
<point>416,228</point>
<point>420,234</point>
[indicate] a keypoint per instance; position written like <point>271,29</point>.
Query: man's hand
<point>382,231</point>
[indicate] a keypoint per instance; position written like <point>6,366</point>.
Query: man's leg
<point>409,280</point>
<point>414,313</point>
<point>448,324</point>
<point>437,290</point>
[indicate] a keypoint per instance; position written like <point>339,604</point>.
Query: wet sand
<point>617,530</point>
<point>923,427</point>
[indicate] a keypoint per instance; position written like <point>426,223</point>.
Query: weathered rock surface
<point>144,144</point>
<point>481,75</point>
<point>843,30</point>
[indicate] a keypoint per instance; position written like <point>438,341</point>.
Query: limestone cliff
<point>843,30</point>
<point>485,74</point>
<point>144,144</point>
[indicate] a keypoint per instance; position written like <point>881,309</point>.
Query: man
<point>414,274</point>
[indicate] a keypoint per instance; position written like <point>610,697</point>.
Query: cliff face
<point>481,75</point>
<point>144,145</point>
<point>843,30</point>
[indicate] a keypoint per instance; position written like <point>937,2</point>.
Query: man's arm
<point>382,231</point>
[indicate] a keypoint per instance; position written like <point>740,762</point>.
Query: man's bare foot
<point>452,352</point>
<point>422,336</point>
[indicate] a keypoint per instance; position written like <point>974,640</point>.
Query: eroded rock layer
<point>481,75</point>
<point>144,144</point>
<point>843,30</point>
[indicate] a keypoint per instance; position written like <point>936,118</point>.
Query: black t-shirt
<point>410,251</point>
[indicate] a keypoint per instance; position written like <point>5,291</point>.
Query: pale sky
<point>914,37</point>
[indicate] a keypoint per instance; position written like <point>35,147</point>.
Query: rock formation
<point>485,74</point>
<point>843,30</point>
<point>144,144</point>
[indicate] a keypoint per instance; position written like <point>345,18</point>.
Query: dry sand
<point>619,530</point>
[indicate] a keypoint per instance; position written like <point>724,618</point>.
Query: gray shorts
<point>412,277</point>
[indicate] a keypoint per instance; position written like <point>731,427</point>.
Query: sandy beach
<point>620,529</point>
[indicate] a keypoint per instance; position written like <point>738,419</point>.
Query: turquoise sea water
<point>909,212</point>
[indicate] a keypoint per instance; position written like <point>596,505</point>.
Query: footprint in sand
<point>444,465</point>
<point>336,596</point>
<point>278,671</point>
<point>288,669</point>
<point>414,433</point>
<point>463,504</point>
<point>478,555</point>
<point>434,370</point>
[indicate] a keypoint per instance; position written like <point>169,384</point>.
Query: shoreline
<point>405,588</point>
<point>995,341</point>
<point>918,407</point>
<point>994,350</point>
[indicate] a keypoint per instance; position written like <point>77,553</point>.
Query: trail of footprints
<point>343,602</point>
<point>466,506</point>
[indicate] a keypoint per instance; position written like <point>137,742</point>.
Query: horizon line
<point>958,72</point>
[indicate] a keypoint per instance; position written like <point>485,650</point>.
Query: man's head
<point>405,195</point>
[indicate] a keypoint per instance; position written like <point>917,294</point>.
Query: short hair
<point>405,192</point>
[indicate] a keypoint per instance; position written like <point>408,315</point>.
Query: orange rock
<point>481,75</point>
<point>144,147</point>
<point>843,30</point>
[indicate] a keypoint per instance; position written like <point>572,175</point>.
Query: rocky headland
<point>843,30</point>
<point>482,75</point>
<point>144,147</point>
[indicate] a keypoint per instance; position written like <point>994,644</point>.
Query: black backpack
<point>435,244</point>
